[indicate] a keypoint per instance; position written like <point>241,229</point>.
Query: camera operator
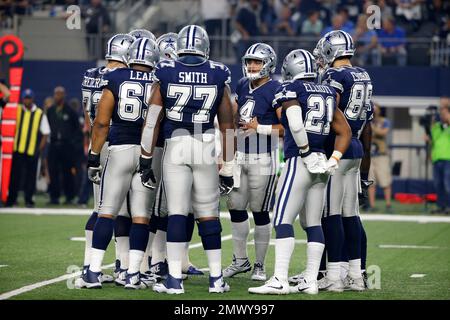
<point>438,135</point>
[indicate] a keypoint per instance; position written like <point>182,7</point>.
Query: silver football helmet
<point>167,44</point>
<point>194,40</point>
<point>264,53</point>
<point>335,44</point>
<point>117,47</point>
<point>142,33</point>
<point>298,64</point>
<point>143,51</point>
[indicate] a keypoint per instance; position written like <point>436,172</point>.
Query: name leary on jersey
<point>197,77</point>
<point>140,75</point>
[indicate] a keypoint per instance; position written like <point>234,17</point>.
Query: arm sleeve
<point>45,127</point>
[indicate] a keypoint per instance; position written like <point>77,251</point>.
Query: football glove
<point>314,163</point>
<point>226,181</point>
<point>94,168</point>
<point>363,196</point>
<point>145,170</point>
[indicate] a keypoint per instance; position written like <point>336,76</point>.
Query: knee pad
<point>238,215</point>
<point>91,221</point>
<point>122,226</point>
<point>261,218</point>
<point>284,231</point>
<point>176,228</point>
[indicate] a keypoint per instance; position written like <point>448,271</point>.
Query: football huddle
<point>168,139</point>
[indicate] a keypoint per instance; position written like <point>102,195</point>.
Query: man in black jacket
<point>65,129</point>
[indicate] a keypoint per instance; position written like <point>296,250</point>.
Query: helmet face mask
<point>117,48</point>
<point>260,52</point>
<point>193,40</point>
<point>298,64</point>
<point>143,52</point>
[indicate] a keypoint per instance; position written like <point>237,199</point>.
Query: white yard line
<point>418,275</point>
<point>37,285</point>
<point>406,246</point>
<point>3,265</point>
<point>226,215</point>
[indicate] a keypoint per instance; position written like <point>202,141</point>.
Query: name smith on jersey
<point>196,77</point>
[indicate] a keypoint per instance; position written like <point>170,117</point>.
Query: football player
<point>123,103</point>
<point>256,158</point>
<point>142,33</point>
<point>189,92</point>
<point>344,232</point>
<point>116,57</point>
<point>167,44</point>
<point>308,114</point>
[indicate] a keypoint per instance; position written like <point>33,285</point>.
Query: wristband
<point>264,129</point>
<point>337,155</point>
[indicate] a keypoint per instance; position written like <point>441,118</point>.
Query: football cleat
<point>354,284</point>
<point>106,278</point>
<point>365,278</point>
<point>170,286</point>
<point>121,278</point>
<point>193,270</point>
<point>218,285</point>
<point>134,281</point>
<point>331,285</point>
<point>159,270</point>
<point>259,273</point>
<point>272,286</point>
<point>295,279</point>
<point>235,268</point>
<point>305,286</point>
<point>90,280</point>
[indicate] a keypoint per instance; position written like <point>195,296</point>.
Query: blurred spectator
<point>284,26</point>
<point>217,21</point>
<point>440,155</point>
<point>410,12</point>
<point>48,102</point>
<point>65,128</point>
<point>339,22</point>
<point>313,25</point>
<point>78,151</point>
<point>380,166</point>
<point>248,24</point>
<point>32,130</point>
<point>97,23</point>
<point>366,43</point>
<point>353,7</point>
<point>386,9</point>
<point>392,41</point>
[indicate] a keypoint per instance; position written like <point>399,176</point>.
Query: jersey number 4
<point>183,93</point>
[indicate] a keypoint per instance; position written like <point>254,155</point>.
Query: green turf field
<point>36,248</point>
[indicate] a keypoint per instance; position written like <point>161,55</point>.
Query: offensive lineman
<point>192,90</point>
<point>123,101</point>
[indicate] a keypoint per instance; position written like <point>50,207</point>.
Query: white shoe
<point>304,286</point>
<point>218,285</point>
<point>331,285</point>
<point>121,279</point>
<point>272,286</point>
<point>354,284</point>
<point>106,278</point>
<point>134,282</point>
<point>170,286</point>
<point>295,279</point>
<point>236,267</point>
<point>259,273</point>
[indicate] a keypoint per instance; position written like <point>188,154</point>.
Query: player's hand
<point>225,185</point>
<point>332,165</point>
<point>252,124</point>
<point>145,170</point>
<point>314,163</point>
<point>363,196</point>
<point>94,167</point>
